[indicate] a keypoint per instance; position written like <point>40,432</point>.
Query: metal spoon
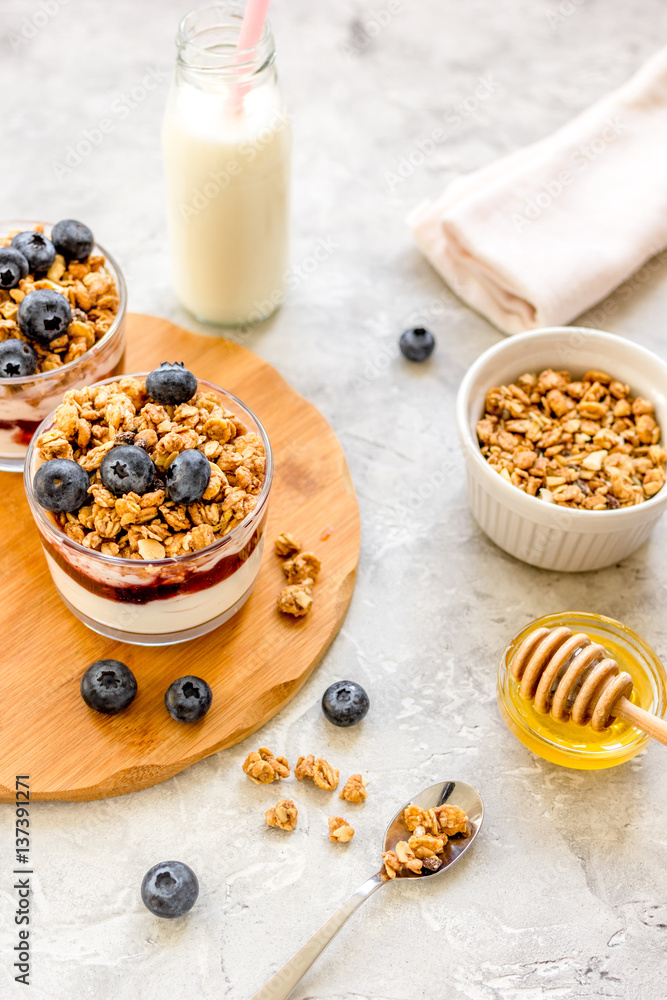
<point>457,793</point>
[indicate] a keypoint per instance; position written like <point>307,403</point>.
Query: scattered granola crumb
<point>283,815</point>
<point>584,444</point>
<point>263,768</point>
<point>296,600</point>
<point>340,830</point>
<point>302,568</point>
<point>287,545</point>
<point>327,533</point>
<point>318,771</point>
<point>355,789</point>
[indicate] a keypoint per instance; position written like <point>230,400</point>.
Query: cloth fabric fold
<point>539,236</point>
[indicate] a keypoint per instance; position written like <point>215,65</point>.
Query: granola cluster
<point>430,829</point>
<point>91,293</point>
<point>319,771</point>
<point>354,790</point>
<point>93,420</point>
<point>581,443</point>
<point>301,570</point>
<point>263,767</point>
<point>283,815</point>
<point>340,830</point>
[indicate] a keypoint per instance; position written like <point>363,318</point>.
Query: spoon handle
<point>651,724</point>
<point>284,981</point>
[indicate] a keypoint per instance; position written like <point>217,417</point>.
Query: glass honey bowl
<point>567,743</point>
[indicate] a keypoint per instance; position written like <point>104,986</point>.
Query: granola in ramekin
<point>580,443</point>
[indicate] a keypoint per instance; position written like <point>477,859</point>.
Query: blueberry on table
<point>61,485</point>
<point>44,315</point>
<point>345,703</point>
<point>169,889</point>
<point>171,384</point>
<point>108,686</point>
<point>127,469</point>
<point>37,250</point>
<point>417,344</point>
<point>13,267</point>
<point>188,476</point>
<point>17,359</point>
<point>72,239</point>
<point>188,699</point>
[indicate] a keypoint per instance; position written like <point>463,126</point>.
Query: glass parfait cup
<point>227,149</point>
<point>26,401</point>
<point>157,602</point>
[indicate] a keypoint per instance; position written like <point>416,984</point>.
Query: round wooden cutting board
<point>254,663</point>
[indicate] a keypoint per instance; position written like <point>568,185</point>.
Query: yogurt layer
<point>172,614</point>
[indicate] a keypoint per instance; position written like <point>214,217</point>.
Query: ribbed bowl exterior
<point>552,546</point>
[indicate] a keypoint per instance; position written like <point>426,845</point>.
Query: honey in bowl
<point>568,743</point>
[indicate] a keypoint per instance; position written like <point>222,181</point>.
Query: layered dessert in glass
<point>88,341</point>
<point>151,514</point>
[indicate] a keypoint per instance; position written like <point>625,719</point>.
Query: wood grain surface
<point>254,663</point>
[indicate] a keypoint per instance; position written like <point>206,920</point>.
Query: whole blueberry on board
<point>188,476</point>
<point>72,239</point>
<point>127,469</point>
<point>37,250</point>
<point>13,267</point>
<point>188,699</point>
<point>17,359</point>
<point>44,315</point>
<point>345,703</point>
<point>108,686</point>
<point>61,485</point>
<point>169,889</point>
<point>417,344</point>
<point>171,384</point>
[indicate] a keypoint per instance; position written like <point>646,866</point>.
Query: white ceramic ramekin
<point>536,532</point>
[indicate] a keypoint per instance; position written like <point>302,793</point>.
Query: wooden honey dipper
<point>570,676</point>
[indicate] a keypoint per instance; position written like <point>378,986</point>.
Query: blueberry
<point>345,703</point>
<point>188,476</point>
<point>17,359</point>
<point>169,889</point>
<point>417,344</point>
<point>126,469</point>
<point>108,686</point>
<point>37,250</point>
<point>72,239</point>
<point>61,485</point>
<point>13,267</point>
<point>188,699</point>
<point>171,384</point>
<point>44,315</point>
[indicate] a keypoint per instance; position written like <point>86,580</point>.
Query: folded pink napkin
<point>537,237</point>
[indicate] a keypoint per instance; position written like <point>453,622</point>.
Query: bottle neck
<point>207,52</point>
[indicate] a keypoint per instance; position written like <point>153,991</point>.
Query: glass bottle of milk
<point>227,145</point>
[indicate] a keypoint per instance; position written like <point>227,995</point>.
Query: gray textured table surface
<point>564,894</point>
